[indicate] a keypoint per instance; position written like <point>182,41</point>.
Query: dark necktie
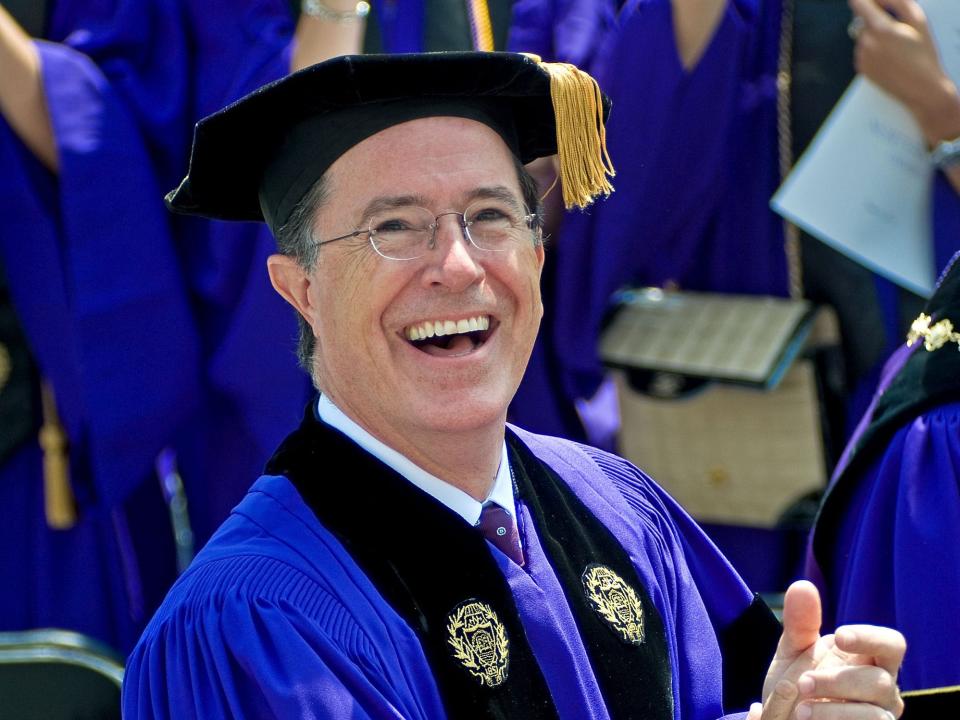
<point>500,528</point>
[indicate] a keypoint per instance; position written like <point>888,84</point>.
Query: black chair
<point>58,675</point>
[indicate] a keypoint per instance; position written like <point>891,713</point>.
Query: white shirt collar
<point>445,493</point>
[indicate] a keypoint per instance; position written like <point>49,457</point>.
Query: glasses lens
<point>401,233</point>
<point>494,224</point>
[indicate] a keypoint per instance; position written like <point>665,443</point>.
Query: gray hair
<point>296,239</point>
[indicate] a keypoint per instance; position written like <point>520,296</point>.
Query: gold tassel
<point>581,135</point>
<point>481,25</point>
<point>59,503</point>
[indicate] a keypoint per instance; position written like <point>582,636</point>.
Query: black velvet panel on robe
<point>748,645</point>
<point>426,561</point>
<point>423,559</point>
<point>635,679</point>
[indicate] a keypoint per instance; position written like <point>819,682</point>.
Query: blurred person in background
<point>103,353</point>
<point>884,548</point>
<point>714,100</point>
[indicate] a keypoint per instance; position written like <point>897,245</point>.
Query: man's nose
<point>453,258</point>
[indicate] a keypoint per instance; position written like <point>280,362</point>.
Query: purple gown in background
<point>150,329</point>
<point>95,280</point>
<point>697,160</point>
<point>884,549</point>
<point>248,393</point>
<point>689,205</point>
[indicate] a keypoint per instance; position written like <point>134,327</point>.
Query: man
<point>407,555</point>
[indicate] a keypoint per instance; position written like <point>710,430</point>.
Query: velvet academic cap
<point>255,159</point>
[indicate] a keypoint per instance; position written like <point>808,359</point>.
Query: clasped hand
<point>849,675</point>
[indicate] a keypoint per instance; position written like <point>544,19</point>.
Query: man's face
<point>364,306</point>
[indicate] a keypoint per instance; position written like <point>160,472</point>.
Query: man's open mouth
<point>450,338</point>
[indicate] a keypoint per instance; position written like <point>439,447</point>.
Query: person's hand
<point>897,53</point>
<point>850,675</point>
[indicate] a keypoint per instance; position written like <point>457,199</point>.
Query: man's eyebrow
<point>389,202</point>
<point>495,192</point>
<point>392,202</point>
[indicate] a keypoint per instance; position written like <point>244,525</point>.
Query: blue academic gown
<point>276,618</point>
<point>884,548</point>
<point>95,282</point>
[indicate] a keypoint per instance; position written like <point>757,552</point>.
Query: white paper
<point>864,184</point>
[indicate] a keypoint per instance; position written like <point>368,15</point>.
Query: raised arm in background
<point>321,37</point>
<point>22,100</point>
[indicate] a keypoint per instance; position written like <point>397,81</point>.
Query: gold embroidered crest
<point>479,641</point>
<point>615,601</point>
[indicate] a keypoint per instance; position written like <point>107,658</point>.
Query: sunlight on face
<point>437,343</point>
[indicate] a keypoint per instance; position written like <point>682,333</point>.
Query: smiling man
<point>407,554</point>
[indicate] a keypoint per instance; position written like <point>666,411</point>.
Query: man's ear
<point>541,252</point>
<point>292,282</point>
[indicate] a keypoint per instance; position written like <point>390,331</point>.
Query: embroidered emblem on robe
<point>614,601</point>
<point>479,641</point>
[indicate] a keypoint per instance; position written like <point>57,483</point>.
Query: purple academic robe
<point>884,548</point>
<point>95,281</point>
<point>148,328</point>
<point>276,618</point>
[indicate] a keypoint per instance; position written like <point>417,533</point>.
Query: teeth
<point>439,328</point>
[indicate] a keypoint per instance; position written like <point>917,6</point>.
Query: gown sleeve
<point>252,637</point>
<point>946,220</point>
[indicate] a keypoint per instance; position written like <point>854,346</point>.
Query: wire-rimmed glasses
<point>408,232</point>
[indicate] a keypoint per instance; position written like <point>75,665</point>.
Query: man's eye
<point>393,225</point>
<point>489,215</point>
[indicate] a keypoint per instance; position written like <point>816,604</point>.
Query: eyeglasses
<point>409,232</point>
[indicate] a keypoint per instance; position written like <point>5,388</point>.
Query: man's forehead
<point>465,156</point>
